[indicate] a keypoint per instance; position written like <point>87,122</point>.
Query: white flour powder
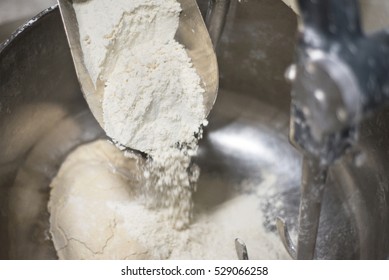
<point>170,181</point>
<point>152,94</point>
<point>152,98</point>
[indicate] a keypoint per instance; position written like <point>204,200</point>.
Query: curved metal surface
<point>32,98</point>
<point>245,148</point>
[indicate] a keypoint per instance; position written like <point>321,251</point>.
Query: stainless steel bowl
<point>43,117</point>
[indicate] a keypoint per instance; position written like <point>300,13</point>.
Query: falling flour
<point>152,95</point>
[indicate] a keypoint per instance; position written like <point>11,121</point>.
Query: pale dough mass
<point>86,195</point>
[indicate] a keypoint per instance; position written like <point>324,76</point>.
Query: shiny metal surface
<point>245,148</point>
<point>192,33</point>
<point>313,183</point>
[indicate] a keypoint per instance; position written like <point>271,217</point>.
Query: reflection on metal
<point>253,143</point>
<point>216,19</point>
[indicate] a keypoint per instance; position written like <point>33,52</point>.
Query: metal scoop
<point>192,33</point>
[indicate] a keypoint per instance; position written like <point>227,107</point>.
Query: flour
<point>161,95</point>
<point>96,212</point>
<point>169,184</point>
<point>152,97</point>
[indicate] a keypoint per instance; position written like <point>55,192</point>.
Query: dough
<point>85,222</point>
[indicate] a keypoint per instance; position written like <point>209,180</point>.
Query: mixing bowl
<point>43,117</point>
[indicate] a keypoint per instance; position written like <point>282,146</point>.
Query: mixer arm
<point>340,77</point>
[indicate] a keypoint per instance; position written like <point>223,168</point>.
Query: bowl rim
<point>8,42</point>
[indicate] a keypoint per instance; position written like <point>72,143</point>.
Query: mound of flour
<point>152,98</point>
